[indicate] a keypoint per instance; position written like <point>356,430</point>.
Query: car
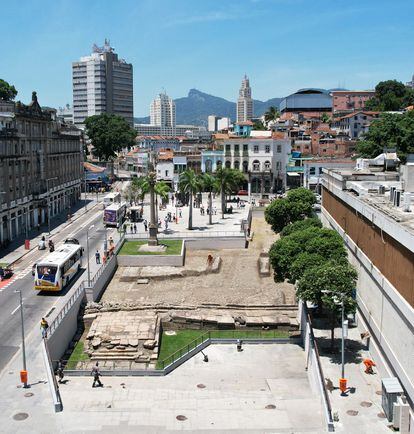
<point>71,241</point>
<point>242,193</point>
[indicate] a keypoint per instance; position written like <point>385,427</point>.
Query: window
<point>228,148</point>
<point>245,148</point>
<point>209,166</point>
<point>312,171</point>
<point>279,149</point>
<point>245,166</point>
<point>256,149</point>
<point>166,173</point>
<point>267,149</point>
<point>267,165</point>
<point>236,148</point>
<point>256,166</point>
<point>278,165</point>
<point>237,165</point>
<point>228,164</point>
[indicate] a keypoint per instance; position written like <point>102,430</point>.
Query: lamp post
<point>87,253</point>
<point>84,178</point>
<point>24,376</point>
<point>48,201</point>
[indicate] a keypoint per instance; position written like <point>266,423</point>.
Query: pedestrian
<point>368,366</point>
<point>180,214</point>
<point>145,225</point>
<point>135,228</point>
<point>59,371</point>
<point>96,374</point>
<point>111,241</point>
<point>215,210</point>
<point>44,325</point>
<point>159,223</point>
<point>38,227</point>
<point>239,345</point>
<point>97,256</point>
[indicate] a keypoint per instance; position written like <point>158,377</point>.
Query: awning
<point>293,174</point>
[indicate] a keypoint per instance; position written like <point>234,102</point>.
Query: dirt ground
<point>238,281</point>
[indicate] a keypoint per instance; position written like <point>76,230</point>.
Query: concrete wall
<point>63,333</point>
<point>94,293</point>
<point>216,243</point>
<point>386,314</point>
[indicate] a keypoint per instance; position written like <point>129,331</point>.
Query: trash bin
<point>23,377</point>
<point>27,244</point>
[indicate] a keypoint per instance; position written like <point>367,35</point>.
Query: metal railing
<point>187,234</point>
<point>80,291</point>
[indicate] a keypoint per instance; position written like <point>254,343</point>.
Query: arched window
<point>209,166</point>
<point>228,164</point>
<point>245,166</point>
<point>237,164</point>
<point>219,164</point>
<point>256,166</point>
<point>267,165</point>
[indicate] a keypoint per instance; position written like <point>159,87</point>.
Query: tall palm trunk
<point>190,214</point>
<point>210,206</point>
<point>156,208</point>
<point>223,201</point>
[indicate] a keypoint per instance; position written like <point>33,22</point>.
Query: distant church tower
<point>245,102</point>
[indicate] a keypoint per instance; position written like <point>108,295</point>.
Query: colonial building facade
<point>40,164</point>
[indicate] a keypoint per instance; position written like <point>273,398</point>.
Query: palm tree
<point>189,183</point>
<point>161,189</point>
<point>271,115</point>
<point>210,184</point>
<point>229,180</point>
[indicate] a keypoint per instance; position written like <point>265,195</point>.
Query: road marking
<point>15,310</point>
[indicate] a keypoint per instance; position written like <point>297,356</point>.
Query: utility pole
<point>87,253</point>
<point>23,374</point>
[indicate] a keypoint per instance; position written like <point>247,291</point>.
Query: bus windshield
<point>46,272</point>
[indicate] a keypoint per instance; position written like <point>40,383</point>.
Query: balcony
<point>245,153</point>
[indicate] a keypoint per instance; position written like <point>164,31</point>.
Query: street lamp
<point>24,372</point>
<point>48,201</point>
<point>87,253</point>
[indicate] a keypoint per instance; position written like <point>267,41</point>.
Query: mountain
<point>195,108</point>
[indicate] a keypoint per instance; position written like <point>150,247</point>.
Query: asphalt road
<point>39,304</point>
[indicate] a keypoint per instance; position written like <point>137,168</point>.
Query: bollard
<point>342,385</point>
<point>23,377</point>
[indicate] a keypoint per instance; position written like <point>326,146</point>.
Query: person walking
<point>44,325</point>
<point>96,374</point>
<point>180,213</point>
<point>135,228</point>
<point>59,371</point>
<point>97,256</point>
<point>145,225</point>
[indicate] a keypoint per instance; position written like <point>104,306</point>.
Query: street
<point>40,304</point>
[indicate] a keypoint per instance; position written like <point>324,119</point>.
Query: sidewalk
<point>16,250</point>
<point>360,411</point>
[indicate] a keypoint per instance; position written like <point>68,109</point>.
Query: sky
<point>176,45</point>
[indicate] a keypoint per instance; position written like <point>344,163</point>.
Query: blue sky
<point>282,45</point>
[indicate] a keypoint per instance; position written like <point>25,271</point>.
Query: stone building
<point>40,163</point>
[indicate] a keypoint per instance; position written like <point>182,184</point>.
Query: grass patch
<point>131,248</point>
<point>189,337</point>
<point>77,355</point>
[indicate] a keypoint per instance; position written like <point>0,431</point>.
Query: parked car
<point>242,193</point>
<point>71,241</point>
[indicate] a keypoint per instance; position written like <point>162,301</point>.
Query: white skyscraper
<point>245,102</point>
<point>162,113</point>
<point>102,83</point>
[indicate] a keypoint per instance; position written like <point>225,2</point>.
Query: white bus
<point>58,268</point>
<point>111,198</point>
<point>114,214</point>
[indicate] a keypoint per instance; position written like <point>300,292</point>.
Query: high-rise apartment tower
<point>245,102</point>
<point>102,83</point>
<point>162,113</point>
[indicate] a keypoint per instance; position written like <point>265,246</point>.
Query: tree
<point>271,114</point>
<point>210,184</point>
<point>300,225</point>
<point>132,193</point>
<point>296,206</point>
<point>390,95</point>
<point>109,134</point>
<point>189,183</point>
<point>228,180</point>
<point>389,130</point>
<point>325,118</point>
<point>7,91</point>
<point>326,285</point>
<point>258,126</point>
<point>326,243</point>
<point>161,189</point>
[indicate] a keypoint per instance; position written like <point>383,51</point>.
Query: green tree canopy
<point>300,225</point>
<point>109,134</point>
<point>271,114</point>
<point>258,126</point>
<point>228,181</point>
<point>390,95</point>
<point>296,206</point>
<point>325,243</point>
<point>7,91</point>
<point>388,131</point>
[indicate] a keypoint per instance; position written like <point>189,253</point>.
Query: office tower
<point>102,83</point>
<point>162,113</point>
<point>245,102</point>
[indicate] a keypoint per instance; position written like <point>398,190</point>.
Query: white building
<point>218,123</point>
<point>102,83</point>
<point>65,113</point>
<point>162,113</point>
<point>190,131</point>
<point>245,102</point>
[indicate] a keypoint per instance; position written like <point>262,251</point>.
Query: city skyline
<point>184,49</point>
